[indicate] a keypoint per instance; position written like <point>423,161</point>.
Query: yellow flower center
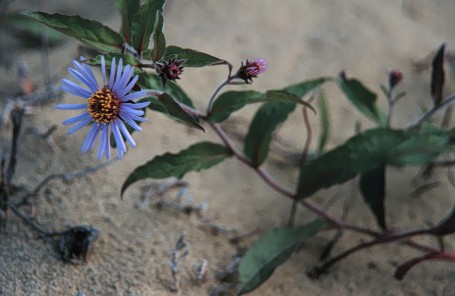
<point>104,106</point>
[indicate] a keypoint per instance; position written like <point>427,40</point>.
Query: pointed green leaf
<point>372,186</point>
<point>166,104</point>
<point>143,24</point>
<point>270,251</point>
<point>232,101</point>
<point>91,33</point>
<point>369,150</point>
<point>303,88</point>
<point>265,121</point>
<point>128,9</point>
<point>159,41</point>
<point>193,58</point>
<point>150,81</point>
<point>197,157</point>
<point>324,121</point>
<point>28,31</point>
<point>362,98</point>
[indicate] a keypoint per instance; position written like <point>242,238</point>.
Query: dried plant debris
<point>179,253</point>
<point>76,245</point>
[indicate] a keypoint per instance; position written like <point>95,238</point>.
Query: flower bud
<point>170,70</point>
<point>395,76</point>
<point>251,69</point>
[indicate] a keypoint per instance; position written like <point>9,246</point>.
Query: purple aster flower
<point>251,69</point>
<point>106,108</point>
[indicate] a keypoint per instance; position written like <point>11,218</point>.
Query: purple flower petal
<point>136,105</point>
<point>131,111</point>
<point>103,70</point>
<point>75,119</point>
<point>132,123</point>
<point>118,138</point>
<point>71,106</point>
<point>128,87</point>
<point>79,126</point>
<point>119,71</point>
<point>75,89</point>
<point>126,76</point>
<point>91,137</point>
<point>81,78</point>
<point>125,132</point>
<point>131,116</point>
<point>88,74</point>
<point>111,77</point>
<point>136,95</point>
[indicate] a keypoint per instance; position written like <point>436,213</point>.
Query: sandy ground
<point>299,40</point>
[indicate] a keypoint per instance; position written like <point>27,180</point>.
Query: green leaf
<point>369,150</point>
<point>143,24</point>
<point>128,9</point>
<point>372,186</point>
<point>303,88</point>
<point>266,120</point>
<point>150,81</point>
<point>159,41</point>
<point>325,121</point>
<point>28,31</point>
<point>362,98</point>
<point>232,101</point>
<point>92,33</point>
<point>270,251</point>
<point>197,157</point>
<point>193,58</point>
<point>166,104</point>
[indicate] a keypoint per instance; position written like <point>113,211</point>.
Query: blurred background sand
<point>299,40</point>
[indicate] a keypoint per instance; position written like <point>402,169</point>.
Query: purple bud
<point>251,69</point>
<point>170,70</point>
<point>395,76</point>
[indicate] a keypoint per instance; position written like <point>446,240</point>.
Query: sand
<point>299,40</point>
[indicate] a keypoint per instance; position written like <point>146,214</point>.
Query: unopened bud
<point>395,76</point>
<point>251,69</point>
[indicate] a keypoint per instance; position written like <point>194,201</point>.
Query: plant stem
<point>379,240</point>
<point>449,100</point>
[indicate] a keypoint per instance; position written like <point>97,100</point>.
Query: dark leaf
<point>266,120</point>
<point>197,157</point>
<point>91,33</point>
<point>232,101</point>
<point>362,98</point>
<point>29,32</point>
<point>437,76</point>
<point>367,151</point>
<point>150,81</point>
<point>193,58</point>
<point>372,186</point>
<point>143,24</point>
<point>159,41</point>
<point>403,269</point>
<point>445,226</point>
<point>270,251</point>
<point>166,104</point>
<point>128,9</point>
<point>303,88</point>
<point>325,121</point>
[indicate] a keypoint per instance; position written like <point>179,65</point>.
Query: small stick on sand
<point>178,255</point>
